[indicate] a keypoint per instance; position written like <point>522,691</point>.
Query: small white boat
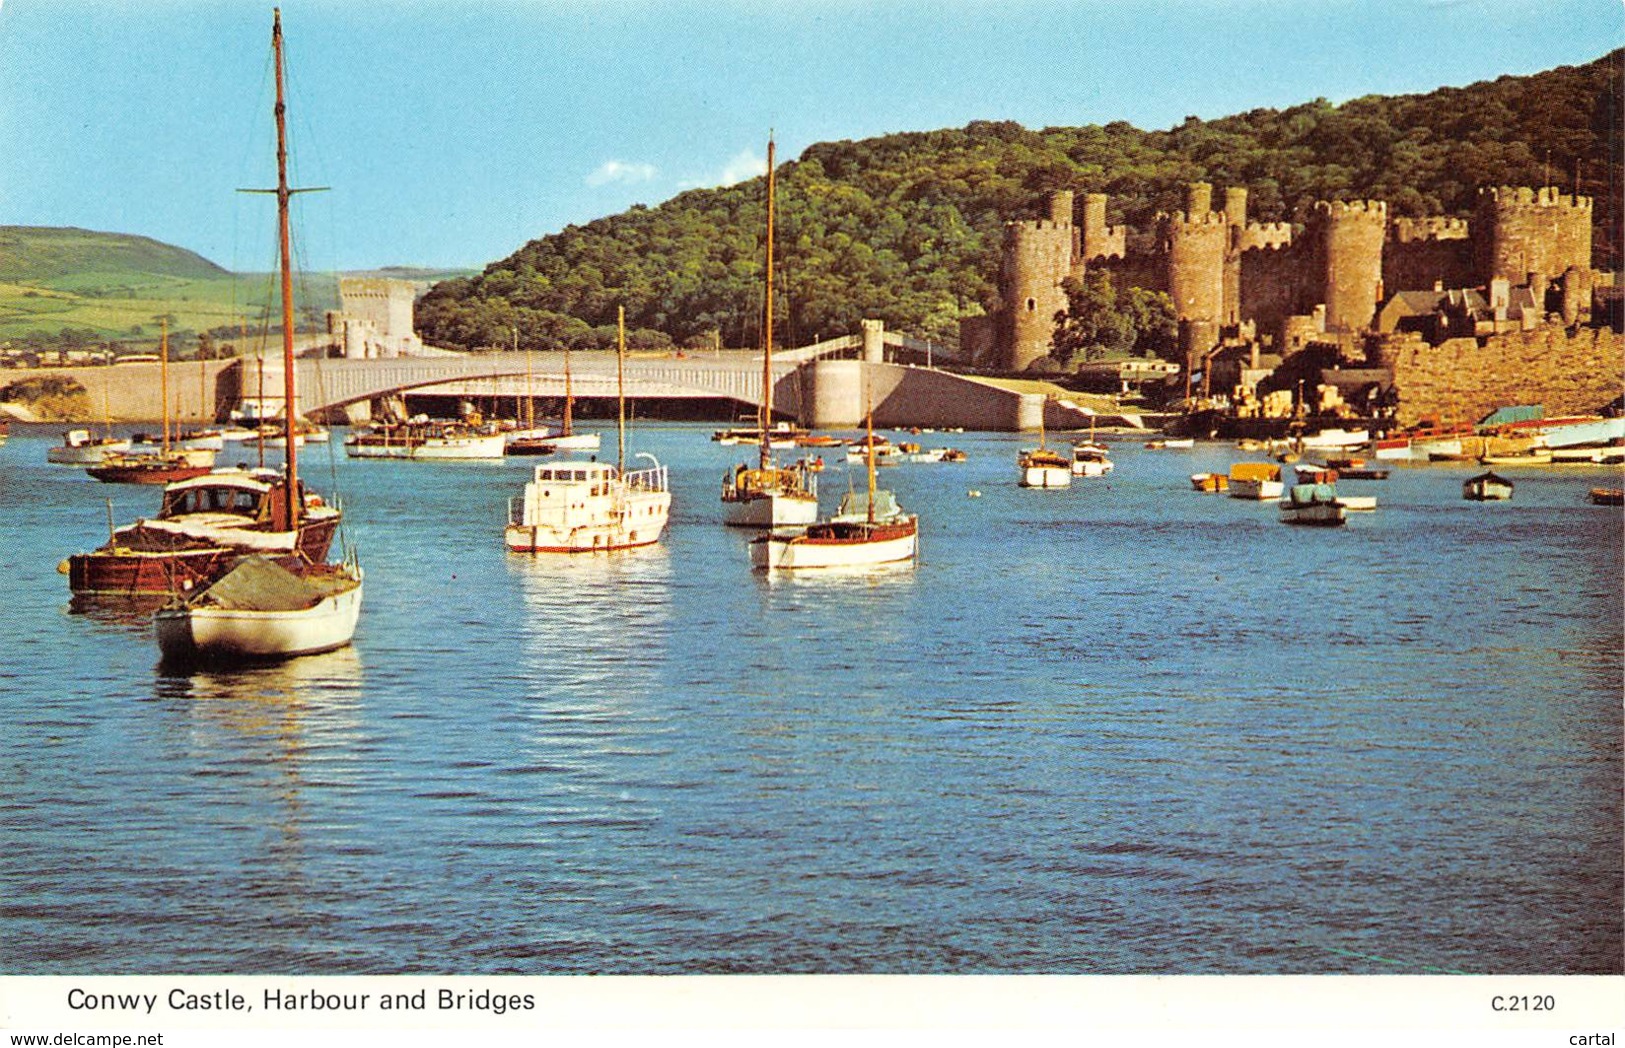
<point>80,448</point>
<point>1358,503</point>
<point>1090,460</point>
<point>1259,481</point>
<point>1043,468</point>
<point>426,441</point>
<point>260,610</point>
<point>1335,439</point>
<point>838,544</point>
<point>769,496</point>
<point>1166,443</point>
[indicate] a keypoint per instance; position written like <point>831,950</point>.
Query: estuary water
<point>1120,728</point>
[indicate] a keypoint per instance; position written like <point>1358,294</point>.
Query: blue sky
<point>452,132</point>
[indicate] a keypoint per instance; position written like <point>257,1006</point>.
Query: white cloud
<point>743,165</point>
<point>621,172</point>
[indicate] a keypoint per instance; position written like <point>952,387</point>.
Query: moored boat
<point>1607,496</point>
<point>1314,504</point>
<point>884,534</point>
<point>1486,487</point>
<point>203,526</point>
<point>1042,468</point>
<point>80,447</point>
<point>262,608</point>
<point>1210,482</point>
<point>425,440</point>
<point>263,611</point>
<point>1254,480</point>
<point>120,467</point>
<point>591,507</point>
<point>1090,460</point>
<point>769,495</point>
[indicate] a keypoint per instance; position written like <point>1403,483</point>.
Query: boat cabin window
<point>213,500</point>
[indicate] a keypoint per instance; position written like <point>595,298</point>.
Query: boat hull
<point>771,510</point>
<point>1320,514</point>
<point>642,524</point>
<point>887,544</point>
<point>220,634</point>
<point>125,573</point>
<point>1256,490</point>
<point>1046,477</point>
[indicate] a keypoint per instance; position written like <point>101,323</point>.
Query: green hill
<point>72,288</point>
<point>43,254</point>
<point>907,227</point>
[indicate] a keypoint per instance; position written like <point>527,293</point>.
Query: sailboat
<point>884,534</point>
<point>590,507</point>
<point>1042,468</point>
<point>164,465</point>
<point>264,607</point>
<point>769,496</point>
<point>568,439</point>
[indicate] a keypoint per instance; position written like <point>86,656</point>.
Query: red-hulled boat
<point>164,467</point>
<point>205,525</point>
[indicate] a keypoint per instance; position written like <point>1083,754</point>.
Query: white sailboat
<point>592,507</point>
<point>264,608</point>
<point>568,439</point>
<point>769,496</point>
<point>1042,468</point>
<point>883,535</point>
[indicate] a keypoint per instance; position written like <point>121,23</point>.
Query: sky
<point>450,132</point>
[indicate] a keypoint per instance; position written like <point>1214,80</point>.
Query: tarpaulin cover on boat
<point>260,584</point>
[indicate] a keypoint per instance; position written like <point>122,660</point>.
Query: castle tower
<point>1100,240</point>
<point>1522,231</point>
<point>1038,256</point>
<point>1235,216</point>
<point>1349,237</point>
<point>1195,247</point>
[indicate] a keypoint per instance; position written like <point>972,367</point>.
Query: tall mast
<point>767,326</point>
<point>163,378</point>
<point>282,194</point>
<point>620,389</point>
<point>565,428</point>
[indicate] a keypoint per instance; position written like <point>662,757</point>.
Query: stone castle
<point>1349,272</point>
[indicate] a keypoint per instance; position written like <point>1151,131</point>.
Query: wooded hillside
<point>907,227</point>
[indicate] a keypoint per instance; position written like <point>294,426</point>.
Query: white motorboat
<point>590,507</point>
<point>1259,481</point>
<point>1090,460</point>
<point>80,448</point>
<point>1042,468</point>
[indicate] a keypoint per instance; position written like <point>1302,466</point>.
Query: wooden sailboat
<point>592,507</point>
<point>264,608</point>
<point>883,535</point>
<point>769,496</point>
<point>568,439</point>
<point>163,466</point>
<point>1042,468</point>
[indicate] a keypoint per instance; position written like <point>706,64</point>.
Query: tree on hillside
<point>1100,321</point>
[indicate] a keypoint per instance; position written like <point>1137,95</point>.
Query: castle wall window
<point>1032,304</point>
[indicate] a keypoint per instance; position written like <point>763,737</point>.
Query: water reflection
<point>595,622</point>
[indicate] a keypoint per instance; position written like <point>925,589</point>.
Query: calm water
<point>1124,728</point>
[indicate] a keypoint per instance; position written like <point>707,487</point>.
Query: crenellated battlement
<point>1413,230</point>
<point>1524,196</point>
<point>1182,220</point>
<point>1038,225</point>
<point>1265,234</point>
<point>1351,210</point>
